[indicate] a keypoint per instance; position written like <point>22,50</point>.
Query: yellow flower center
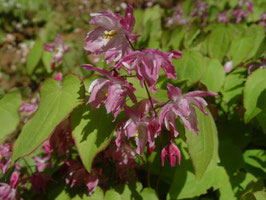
<point>137,133</point>
<point>109,34</point>
<point>1,156</point>
<point>106,94</point>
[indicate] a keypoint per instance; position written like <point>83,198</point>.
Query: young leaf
<point>9,116</point>
<point>245,47</point>
<point>233,86</point>
<point>55,105</point>
<point>190,66</point>
<point>186,185</point>
<point>47,58</point>
<point>92,131</point>
<point>219,41</point>
<point>34,56</point>
<point>214,75</point>
<point>254,87</point>
<point>204,146</point>
<point>148,193</point>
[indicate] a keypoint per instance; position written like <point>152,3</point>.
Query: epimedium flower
<point>147,64</point>
<point>111,89</point>
<point>112,34</point>
<point>39,181</point>
<point>172,151</point>
<point>77,175</point>
<point>228,66</point>
<point>9,192</point>
<point>29,108</point>
<point>124,158</point>
<point>139,126</point>
<point>182,107</point>
<point>58,48</point>
<point>5,156</point>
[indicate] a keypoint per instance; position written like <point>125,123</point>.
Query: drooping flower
<point>124,157</point>
<point>111,89</point>
<point>77,175</point>
<point>9,192</point>
<point>5,156</point>
<point>58,48</point>
<point>58,77</point>
<point>42,163</point>
<point>171,150</point>
<point>38,181</point>
<point>61,140</point>
<point>147,64</point>
<point>177,17</point>
<point>228,66</point>
<point>29,108</point>
<point>200,10</point>
<point>239,14</point>
<point>139,126</point>
<point>112,34</point>
<point>182,107</point>
<point>222,17</point>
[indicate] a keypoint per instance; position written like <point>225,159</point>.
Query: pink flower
<point>222,17</point>
<point>61,140</point>
<point>142,128</point>
<point>38,181</point>
<point>110,37</point>
<point>77,175</point>
<point>5,156</point>
<point>58,77</point>
<point>177,17</point>
<point>92,180</point>
<point>47,147</point>
<point>200,10</point>
<point>8,192</point>
<point>124,158</point>
<point>29,108</point>
<point>59,48</point>
<point>111,89</point>
<point>239,14</point>
<point>228,66</point>
<point>181,106</point>
<point>42,163</point>
<point>147,64</point>
<point>171,150</point>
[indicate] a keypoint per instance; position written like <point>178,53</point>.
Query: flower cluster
<point>147,117</point>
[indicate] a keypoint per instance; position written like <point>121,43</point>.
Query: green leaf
<point>214,75</point>
<point>191,35</point>
<point>112,195</point>
<point>252,187</point>
<point>129,191</point>
<point>233,86</point>
<point>190,67</point>
<point>34,56</point>
<point>148,193</point>
<point>219,41</point>
<point>254,162</point>
<point>55,105</point>
<point>232,190</point>
<point>245,47</point>
<point>255,85</point>
<point>47,58</point>
<point>9,116</point>
<point>92,131</point>
<point>204,146</point>
<point>186,185</point>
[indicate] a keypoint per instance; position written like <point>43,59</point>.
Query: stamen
<point>109,34</point>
